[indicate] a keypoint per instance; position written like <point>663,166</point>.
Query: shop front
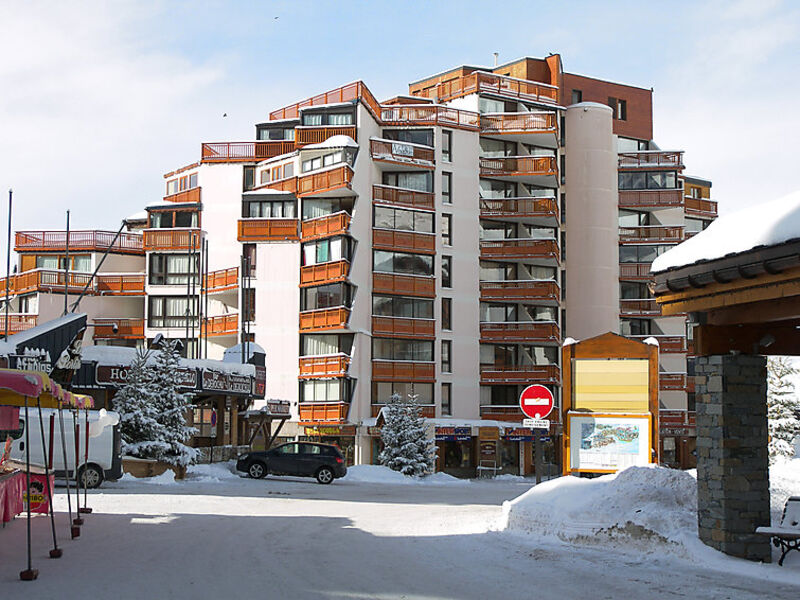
<point>455,451</point>
<point>341,436</point>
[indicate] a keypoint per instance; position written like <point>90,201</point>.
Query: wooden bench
<point>786,535</point>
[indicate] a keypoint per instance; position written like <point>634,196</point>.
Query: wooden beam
<point>782,309</point>
<point>747,339</point>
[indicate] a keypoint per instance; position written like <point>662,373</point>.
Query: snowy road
<point>294,539</point>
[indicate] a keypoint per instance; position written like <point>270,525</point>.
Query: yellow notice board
<point>611,385</point>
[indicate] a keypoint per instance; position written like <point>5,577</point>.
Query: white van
<point>105,454</point>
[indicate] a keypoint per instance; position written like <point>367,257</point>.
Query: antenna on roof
<point>496,54</point>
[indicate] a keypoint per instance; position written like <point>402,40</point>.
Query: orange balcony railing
<point>403,197</point>
<point>268,230</point>
<point>244,151</point>
<point>520,291</point>
<point>394,370</point>
<point>403,327</point>
<point>404,241</point>
<point>644,307</point>
<point>524,122</point>
<point>427,114</point>
<point>192,195</point>
<point>335,224</point>
<point>650,198</point>
<point>118,284</point>
<point>352,91</point>
<point>17,322</point>
<point>48,241</point>
<point>282,185</point>
<point>652,159</point>
<point>316,135</point>
<point>314,367</point>
<point>118,329</point>
<point>700,208</point>
<point>483,82</point>
<point>405,285</point>
<point>669,344</point>
<point>324,318</point>
<point>323,412</point>
<point>511,166</point>
<point>520,331</point>
<point>520,374</point>
<point>636,271</point>
<point>222,280</point>
<point>671,381</point>
<point>519,208</point>
<point>519,248</point>
<point>401,152</point>
<point>325,181</point>
<point>221,325</point>
<point>172,239</point>
<point>41,280</point>
<point>651,233</point>
<point>324,273</point>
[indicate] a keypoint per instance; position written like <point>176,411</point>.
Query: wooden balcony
<point>319,367</point>
<point>672,381</point>
<point>191,196</point>
<point>494,412</point>
<point>523,249</point>
<point>491,83</point>
<point>428,411</point>
<point>398,370</point>
<point>544,292</point>
<point>430,115</point>
<point>303,136</point>
<point>649,234</point>
<point>323,413</point>
<point>118,284</point>
<point>667,344</point>
<point>346,93</point>
<point>650,198</point>
<point>288,185</point>
<point>172,239</point>
<point>268,230</point>
<point>520,209</point>
<point>126,329</point>
<point>697,207</point>
<point>324,319</point>
<point>651,159</point>
<point>404,241</point>
<point>404,285</point>
<point>527,374</point>
<point>327,226</point>
<point>402,197</point>
<point>222,280</point>
<point>401,153</point>
<point>518,166</point>
<point>324,273</point>
<point>519,123</point>
<point>325,182</point>
<point>224,152</point>
<point>17,322</point>
<point>634,271</point>
<point>105,284</point>
<point>221,325</point>
<point>98,241</point>
<point>646,307</point>
<point>521,331</point>
<point>403,327</point>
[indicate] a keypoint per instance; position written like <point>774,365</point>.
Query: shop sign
<point>260,383</point>
<point>117,376</point>
<point>488,433</point>
<point>278,408</point>
<point>226,382</point>
<point>331,430</point>
<point>374,431</point>
<point>519,434</point>
<point>453,434</point>
<point>488,449</point>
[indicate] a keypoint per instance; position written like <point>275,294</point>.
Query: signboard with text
<point>453,434</point>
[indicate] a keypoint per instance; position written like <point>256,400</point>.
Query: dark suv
<point>304,459</point>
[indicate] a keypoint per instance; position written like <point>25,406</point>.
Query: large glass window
<point>628,218</point>
<point>420,182</point>
<point>286,209</point>
<point>326,390</point>
<point>400,306</point>
<point>492,189</point>
<point>411,136</point>
<point>633,290</point>
<point>166,219</point>
<point>171,311</point>
<point>382,392</point>
<point>447,269</point>
<point>640,254</point>
<point>397,349</point>
<point>338,117</point>
<point>635,326</point>
<point>447,185</point>
<point>404,220</point>
<point>648,180</point>
<point>497,148</point>
<point>321,207</point>
<point>326,296</point>
<point>327,250</point>
<point>173,269</point>
<point>447,364</point>
<point>447,146</point>
<point>402,262</point>
<point>326,343</point>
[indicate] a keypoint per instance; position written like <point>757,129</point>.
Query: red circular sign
<point>536,401</point>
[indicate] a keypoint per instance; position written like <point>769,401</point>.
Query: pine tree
<point>407,447</point>
<point>783,407</point>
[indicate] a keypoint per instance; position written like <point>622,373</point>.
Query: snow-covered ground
<point>217,535</point>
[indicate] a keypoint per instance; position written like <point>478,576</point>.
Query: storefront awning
<point>15,386</point>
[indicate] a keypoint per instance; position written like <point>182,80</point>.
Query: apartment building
<point>440,244</point>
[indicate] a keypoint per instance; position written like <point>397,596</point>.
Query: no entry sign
<point>536,401</point>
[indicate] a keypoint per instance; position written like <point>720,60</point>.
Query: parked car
<point>303,459</point>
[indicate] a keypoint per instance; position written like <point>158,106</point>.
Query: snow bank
<point>381,474</point>
<point>166,478</point>
<point>212,473</point>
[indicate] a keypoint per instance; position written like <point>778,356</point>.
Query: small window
<point>577,96</point>
<point>447,229</point>
<point>620,108</point>
<point>447,146</point>
<point>447,309</point>
<point>447,366</point>
<point>446,403</point>
<point>192,181</point>
<point>447,181</point>
<point>447,263</point>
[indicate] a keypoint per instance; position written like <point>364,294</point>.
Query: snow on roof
<point>335,141</point>
<point>138,216</point>
<point>651,341</point>
<point>119,356</point>
<point>234,353</point>
<point>766,224</point>
<point>266,191</point>
<point>591,105</point>
<point>24,336</point>
<point>569,341</point>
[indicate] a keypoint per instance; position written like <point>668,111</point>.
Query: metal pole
<point>30,573</point>
<point>188,299</point>
<point>192,303</point>
<point>75,531</point>
<point>97,268</point>
<point>78,520</point>
<point>85,509</point>
<point>205,310</point>
<point>56,551</point>
<point>8,257</point>
<point>66,269</point>
<point>537,456</point>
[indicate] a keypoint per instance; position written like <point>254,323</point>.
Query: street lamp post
<point>8,257</point>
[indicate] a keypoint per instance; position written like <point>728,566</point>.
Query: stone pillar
<point>732,460</point>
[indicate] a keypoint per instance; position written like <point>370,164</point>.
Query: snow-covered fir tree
<point>407,447</point>
<point>783,407</point>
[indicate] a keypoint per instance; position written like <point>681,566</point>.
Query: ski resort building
<point>442,244</point>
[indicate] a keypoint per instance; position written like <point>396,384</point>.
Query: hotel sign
<point>118,376</point>
<point>228,383</point>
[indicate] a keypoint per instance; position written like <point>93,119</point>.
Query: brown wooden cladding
<point>501,413</point>
<point>672,381</point>
<point>314,367</point>
<point>172,239</point>
<point>268,230</point>
<point>386,150</point>
<point>126,329</point>
<point>223,279</point>
<point>425,114</point>
<point>650,198</point>
<point>335,224</point>
<point>521,331</point>
<point>494,374</point>
<point>644,307</point>
<point>346,93</point>
<point>518,165</point>
<point>324,273</point>
<point>482,82</point>
<point>323,412</point>
<point>532,249</point>
<point>667,344</point>
<point>526,122</point>
<point>324,319</point>
<point>637,271</point>
<point>316,135</point>
<point>105,284</point>
<point>404,241</point>
<point>52,241</point>
<point>648,234</point>
<point>404,327</point>
<point>700,208</point>
<point>244,151</point>
<point>221,325</point>
<point>403,197</point>
<point>192,195</point>
<point>284,185</point>
<point>519,291</point>
<point>651,159</point>
<point>511,208</point>
<point>387,370</point>
<point>317,183</point>
<point>404,285</point>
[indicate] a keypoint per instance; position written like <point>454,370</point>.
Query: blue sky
<point>98,100</point>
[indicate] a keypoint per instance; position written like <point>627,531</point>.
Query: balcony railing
<point>638,271</point>
<point>42,280</point>
<point>282,185</point>
<point>651,234</point>
<point>325,181</point>
<point>403,327</point>
<point>222,280</point>
<point>17,322</point>
<point>669,344</point>
<point>521,331</point>
<point>323,412</point>
<point>314,367</point>
<point>658,159</point>
<point>172,239</point>
<point>671,381</point>
<point>700,208</point>
<point>490,83</point>
<point>506,412</point>
<point>329,225</point>
<point>429,114</point>
<point>402,152</point>
<point>304,136</point>
<point>118,329</point>
<point>119,284</point>
<point>428,411</point>
<point>244,151</point>
<point>645,307</point>
<point>324,319</point>
<point>520,291</point>
<point>47,241</point>
<point>521,374</point>
<point>352,91</point>
<point>268,230</point>
<point>192,195</point>
<point>400,370</point>
<point>513,166</point>
<point>324,273</point>
<point>403,197</point>
<point>524,122</point>
<point>404,241</point>
<point>404,285</point>
<point>221,325</point>
<point>519,208</point>
<point>650,198</point>
<point>520,249</point>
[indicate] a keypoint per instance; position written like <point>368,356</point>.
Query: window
<point>447,183</point>
<point>447,366</point>
<point>249,253</point>
<point>14,434</point>
<point>340,119</point>
<point>647,180</point>
<point>327,250</point>
<point>620,108</point>
<point>563,168</point>
<point>173,269</point>
<point>325,344</point>
<point>447,146</point>
<point>321,207</point>
<point>696,225</point>
<point>402,262</point>
<point>447,263</point>
<point>382,392</point>
<point>403,220</point>
<point>447,408</point>
<point>255,209</point>
<point>629,218</point>
<point>420,182</point>
<point>447,308</point>
<point>334,118</point>
<point>275,133</point>
<point>633,290</point>
<point>326,296</point>
<point>423,137</point>
<point>326,390</point>
<point>447,229</point>
<point>171,311</point>
<point>167,219</point>
<point>491,188</point>
<point>249,304</point>
<point>77,262</point>
<point>635,326</point>
<point>397,349</point>
<point>400,306</point>
<point>577,96</point>
<point>640,254</point>
<point>497,148</point>
<point>248,178</point>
